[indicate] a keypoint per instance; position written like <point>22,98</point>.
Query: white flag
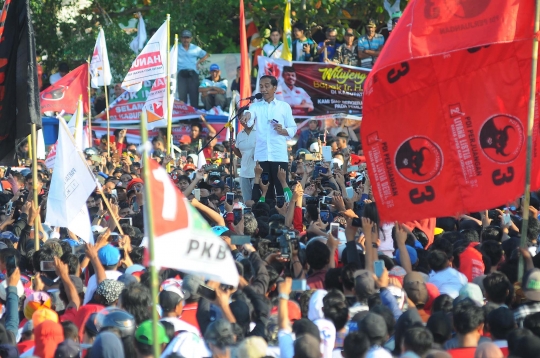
<point>99,66</point>
<point>232,114</point>
<point>157,102</point>
<point>183,240</point>
<point>201,160</point>
<point>150,64</point>
<point>138,42</point>
<point>40,145</point>
<point>72,183</point>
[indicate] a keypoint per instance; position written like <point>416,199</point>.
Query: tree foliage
<point>214,24</point>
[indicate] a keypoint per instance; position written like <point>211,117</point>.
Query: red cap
<point>189,166</point>
<point>133,182</point>
<point>185,139</point>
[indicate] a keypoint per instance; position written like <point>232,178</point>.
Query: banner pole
<point>107,108</point>
<point>169,114</point>
<point>530,126</point>
<point>37,220</point>
<point>78,118</point>
<point>149,224</point>
<point>89,106</point>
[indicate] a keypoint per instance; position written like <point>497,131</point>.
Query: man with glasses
<point>189,58</point>
<point>213,89</point>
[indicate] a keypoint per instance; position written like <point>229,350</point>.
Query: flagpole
<point>37,220</point>
<point>169,114</point>
<point>149,224</point>
<point>530,126</point>
<point>89,106</point>
<point>78,118</point>
<point>106,106</point>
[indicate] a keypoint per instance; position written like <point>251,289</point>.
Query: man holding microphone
<point>274,125</point>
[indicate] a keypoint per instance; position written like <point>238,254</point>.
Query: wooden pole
<point>530,125</point>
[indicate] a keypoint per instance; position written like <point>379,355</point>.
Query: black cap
<point>169,300</point>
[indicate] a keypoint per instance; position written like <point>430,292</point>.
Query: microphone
<point>257,96</point>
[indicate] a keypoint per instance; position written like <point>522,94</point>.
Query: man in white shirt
<point>447,279</point>
<point>109,256</point>
<point>274,125</point>
<point>296,97</point>
<point>63,70</point>
<point>245,148</point>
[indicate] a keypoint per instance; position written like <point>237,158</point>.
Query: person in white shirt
<point>296,97</point>
<point>109,256</point>
<point>244,148</point>
<point>274,125</point>
<point>63,70</point>
<point>273,49</point>
<point>447,279</point>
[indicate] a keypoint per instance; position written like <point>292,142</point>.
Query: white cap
<point>338,161</point>
<point>314,147</point>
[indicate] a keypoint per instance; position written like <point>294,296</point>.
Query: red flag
<point>64,94</point>
<point>245,78</point>
<point>445,109</point>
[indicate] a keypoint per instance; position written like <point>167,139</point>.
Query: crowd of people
<point>321,275</point>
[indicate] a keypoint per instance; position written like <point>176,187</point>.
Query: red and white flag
<point>150,64</point>
<point>99,65</point>
<point>157,103</point>
<point>183,240</point>
<point>64,93</point>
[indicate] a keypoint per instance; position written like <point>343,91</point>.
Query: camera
<point>285,240</point>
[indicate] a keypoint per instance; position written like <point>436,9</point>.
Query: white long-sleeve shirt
<point>271,146</point>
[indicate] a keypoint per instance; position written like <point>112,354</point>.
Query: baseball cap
<point>412,254</point>
<point>185,139</point>
<point>471,291</point>
<point>144,334</point>
<point>214,67</point>
<point>220,333</point>
<point>218,230</point>
<point>314,147</point>
<point>191,284</point>
<point>349,32</point>
<point>98,229</point>
<point>252,347</point>
<point>414,286</point>
<point>134,268</point>
<point>134,181</point>
<point>371,23</point>
<point>364,284</point>
<point>189,166</point>
<point>68,349</point>
<point>218,184</point>
<point>187,33</point>
<point>109,255</point>
<point>531,284</point>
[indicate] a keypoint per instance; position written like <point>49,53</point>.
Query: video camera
<point>283,239</point>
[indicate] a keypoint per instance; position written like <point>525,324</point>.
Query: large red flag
<point>64,94</point>
<point>445,109</point>
<point>245,79</point>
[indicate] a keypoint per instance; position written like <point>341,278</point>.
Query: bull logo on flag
<point>55,94</point>
<point>419,160</point>
<point>501,138</point>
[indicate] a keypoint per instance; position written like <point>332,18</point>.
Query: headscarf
<point>82,316</point>
<point>34,302</point>
<point>107,345</point>
<point>488,350</point>
<point>47,337</point>
<point>316,304</point>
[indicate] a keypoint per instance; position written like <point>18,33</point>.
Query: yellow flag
<point>286,53</point>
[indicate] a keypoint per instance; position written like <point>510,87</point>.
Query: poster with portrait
<point>314,89</point>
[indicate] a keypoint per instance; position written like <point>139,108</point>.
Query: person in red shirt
<point>468,324</point>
